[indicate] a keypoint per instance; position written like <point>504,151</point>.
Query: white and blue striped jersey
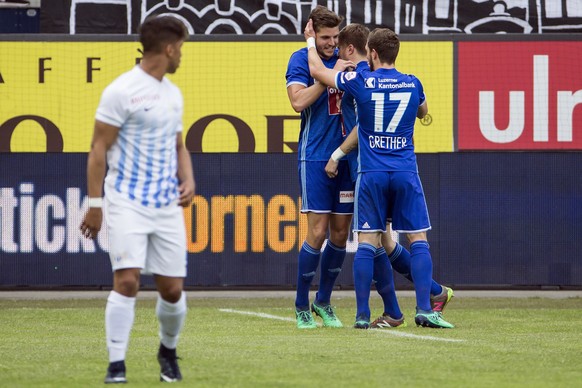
<point>387,102</point>
<point>142,163</point>
<point>321,129</point>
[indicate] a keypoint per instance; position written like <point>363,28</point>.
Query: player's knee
<point>126,285</point>
<point>413,237</point>
<point>316,237</point>
<point>388,243</point>
<point>339,237</point>
<point>171,294</point>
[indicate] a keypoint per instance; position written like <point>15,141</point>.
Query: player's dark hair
<point>356,35</point>
<point>158,31</point>
<point>323,17</point>
<point>386,43</point>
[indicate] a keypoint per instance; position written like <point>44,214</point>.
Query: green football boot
<point>305,319</point>
<point>327,314</point>
<point>433,319</point>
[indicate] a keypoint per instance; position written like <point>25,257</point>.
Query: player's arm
<point>316,66</point>
<point>187,186</point>
<point>302,97</point>
<point>422,110</point>
<point>349,144</point>
<point>104,135</point>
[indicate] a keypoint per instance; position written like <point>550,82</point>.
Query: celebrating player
<point>352,47</point>
<point>328,203</point>
<point>388,103</point>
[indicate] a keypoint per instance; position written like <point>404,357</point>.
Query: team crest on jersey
<point>370,83</point>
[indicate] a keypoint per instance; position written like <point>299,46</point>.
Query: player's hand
<point>342,65</point>
<point>186,190</point>
<point>92,221</point>
<point>331,168</point>
<point>309,31</point>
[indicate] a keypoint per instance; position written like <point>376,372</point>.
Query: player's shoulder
<point>124,80</point>
<point>172,86</point>
<point>169,83</point>
<point>411,78</point>
<point>362,66</point>
<point>408,77</point>
<point>131,74</point>
<point>299,56</point>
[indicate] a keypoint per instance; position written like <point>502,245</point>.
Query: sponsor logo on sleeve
<point>350,75</point>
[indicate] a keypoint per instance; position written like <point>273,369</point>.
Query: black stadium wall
<point>288,17</point>
<point>499,220</point>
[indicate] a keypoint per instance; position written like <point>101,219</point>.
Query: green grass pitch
<point>238,342</point>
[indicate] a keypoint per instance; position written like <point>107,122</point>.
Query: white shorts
<point>153,239</point>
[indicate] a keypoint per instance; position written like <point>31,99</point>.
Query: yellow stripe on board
<point>234,92</point>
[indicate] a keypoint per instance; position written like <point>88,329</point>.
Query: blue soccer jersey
<point>350,120</point>
<point>321,129</point>
<point>387,103</point>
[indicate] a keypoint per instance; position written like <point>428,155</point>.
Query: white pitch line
<point>408,335</point>
<point>260,315</point>
<point>389,331</point>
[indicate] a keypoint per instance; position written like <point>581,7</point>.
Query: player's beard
<point>172,67</point>
<point>323,54</point>
<point>370,63</point>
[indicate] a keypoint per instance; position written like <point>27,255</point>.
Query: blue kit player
<point>388,103</point>
<point>352,47</point>
<point>328,203</point>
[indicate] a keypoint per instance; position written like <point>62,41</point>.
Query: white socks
<point>119,314</point>
<point>171,317</point>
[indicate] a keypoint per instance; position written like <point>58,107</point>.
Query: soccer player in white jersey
<point>388,103</point>
<point>138,136</point>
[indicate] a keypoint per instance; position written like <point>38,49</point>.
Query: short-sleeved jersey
<point>142,163</point>
<point>350,120</point>
<point>321,130</point>
<point>387,103</point>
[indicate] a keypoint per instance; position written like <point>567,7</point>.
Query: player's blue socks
<point>332,260</point>
<point>435,288</point>
<point>308,262</point>
<point>400,260</point>
<point>384,279</point>
<point>421,269</point>
<point>363,275</point>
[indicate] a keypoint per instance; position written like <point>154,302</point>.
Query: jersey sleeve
<point>298,70</point>
<point>420,88</point>
<point>348,81</point>
<point>180,99</point>
<point>113,107</point>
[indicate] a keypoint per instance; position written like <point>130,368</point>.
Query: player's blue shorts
<point>322,194</point>
<point>381,195</point>
<point>352,159</point>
